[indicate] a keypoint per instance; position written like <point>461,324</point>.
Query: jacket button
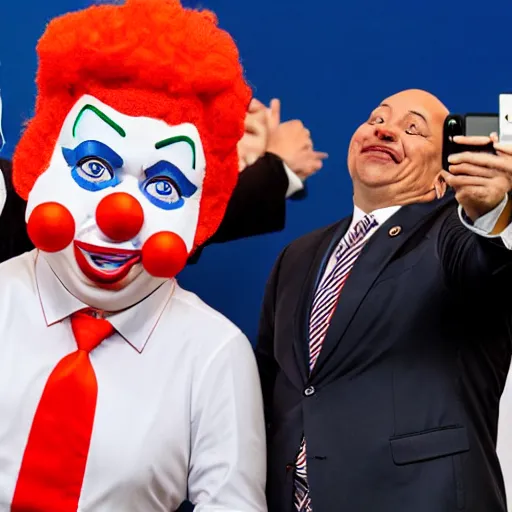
<point>309,391</point>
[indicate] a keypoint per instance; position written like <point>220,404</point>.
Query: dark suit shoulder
<point>301,253</point>
<point>311,240</point>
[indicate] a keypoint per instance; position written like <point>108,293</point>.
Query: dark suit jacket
<point>258,203</point>
<point>258,206</point>
<point>13,234</point>
<point>402,407</point>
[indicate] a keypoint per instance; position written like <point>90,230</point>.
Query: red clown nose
<point>120,216</point>
<point>51,227</point>
<point>164,255</point>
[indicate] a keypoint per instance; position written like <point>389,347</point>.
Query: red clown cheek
<point>164,255</point>
<point>51,227</point>
<point>120,216</point>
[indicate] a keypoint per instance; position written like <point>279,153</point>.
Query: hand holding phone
<point>479,126</point>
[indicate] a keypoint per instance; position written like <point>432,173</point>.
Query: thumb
<point>255,105</point>
<point>275,113</point>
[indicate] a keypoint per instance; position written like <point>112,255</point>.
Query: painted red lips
<point>105,265</point>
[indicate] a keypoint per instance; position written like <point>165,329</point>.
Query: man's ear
<point>440,186</point>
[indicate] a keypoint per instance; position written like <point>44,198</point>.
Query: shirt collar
<point>381,215</point>
<point>135,324</point>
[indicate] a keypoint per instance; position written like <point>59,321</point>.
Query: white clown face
<point>125,180</point>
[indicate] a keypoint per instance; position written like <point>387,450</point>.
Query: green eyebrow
<point>102,116</point>
<point>179,138</point>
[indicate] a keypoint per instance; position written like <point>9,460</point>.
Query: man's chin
<point>378,173</point>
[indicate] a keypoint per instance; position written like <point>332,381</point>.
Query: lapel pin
<point>395,231</point>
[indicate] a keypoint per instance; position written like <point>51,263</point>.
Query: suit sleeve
<point>258,203</point>
<point>257,206</point>
<point>13,232</point>
<point>471,262</point>
<point>267,364</point>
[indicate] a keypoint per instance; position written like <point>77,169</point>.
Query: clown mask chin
<point>116,212</point>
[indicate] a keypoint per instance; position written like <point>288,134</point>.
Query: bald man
<point>384,341</point>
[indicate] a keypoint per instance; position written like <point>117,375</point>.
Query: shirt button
<point>309,391</point>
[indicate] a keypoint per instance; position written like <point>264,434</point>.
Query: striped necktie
<point>322,309</point>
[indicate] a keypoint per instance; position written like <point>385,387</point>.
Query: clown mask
<point>116,212</point>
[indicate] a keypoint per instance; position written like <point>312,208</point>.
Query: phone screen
<point>481,125</point>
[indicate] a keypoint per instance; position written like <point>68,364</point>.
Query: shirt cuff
<point>484,225</point>
<point>294,182</point>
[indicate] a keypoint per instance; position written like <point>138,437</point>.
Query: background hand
<point>291,141</point>
<point>254,142</point>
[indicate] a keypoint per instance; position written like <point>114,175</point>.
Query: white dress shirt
<point>294,182</point>
<point>179,411</point>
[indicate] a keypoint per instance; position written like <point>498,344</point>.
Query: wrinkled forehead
<point>424,104</point>
<point>138,141</point>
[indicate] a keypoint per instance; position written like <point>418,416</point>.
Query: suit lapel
<point>377,253</point>
<point>303,311</point>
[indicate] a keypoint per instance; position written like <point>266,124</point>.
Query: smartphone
<point>471,124</point>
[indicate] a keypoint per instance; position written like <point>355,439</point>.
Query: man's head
<point>395,156</point>
<point>131,157</point>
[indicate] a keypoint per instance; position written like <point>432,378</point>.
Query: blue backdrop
<point>330,62</point>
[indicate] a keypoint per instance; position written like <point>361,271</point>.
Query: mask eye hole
<point>163,189</point>
<point>94,170</point>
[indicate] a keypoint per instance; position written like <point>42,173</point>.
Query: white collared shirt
<point>381,215</point>
<point>179,411</point>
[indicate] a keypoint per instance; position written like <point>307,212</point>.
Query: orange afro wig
<point>150,58</point>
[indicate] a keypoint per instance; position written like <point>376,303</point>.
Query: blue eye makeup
<point>93,165</point>
<point>166,186</point>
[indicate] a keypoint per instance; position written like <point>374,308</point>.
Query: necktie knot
<point>357,233</point>
<point>89,331</point>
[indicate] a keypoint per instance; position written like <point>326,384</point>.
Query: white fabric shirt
<point>294,182</point>
<point>179,411</point>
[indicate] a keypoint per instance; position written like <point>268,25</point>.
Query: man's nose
<point>385,133</point>
<point>119,216</point>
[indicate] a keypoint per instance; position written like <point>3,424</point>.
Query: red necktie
<point>53,465</point>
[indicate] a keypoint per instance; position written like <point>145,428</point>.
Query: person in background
<point>275,159</point>
<point>13,230</point>
<point>384,340</point>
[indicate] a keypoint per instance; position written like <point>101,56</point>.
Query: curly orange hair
<point>150,58</point>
